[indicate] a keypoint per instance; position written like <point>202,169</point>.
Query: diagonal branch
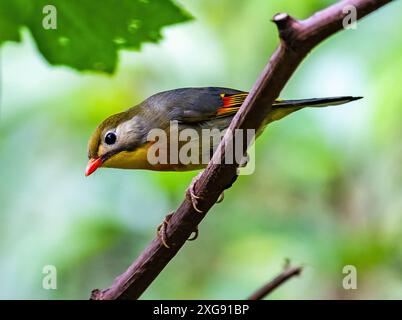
<point>287,273</point>
<point>297,38</point>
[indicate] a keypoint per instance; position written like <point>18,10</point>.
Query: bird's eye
<point>110,138</point>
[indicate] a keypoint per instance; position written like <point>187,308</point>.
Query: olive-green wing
<point>191,105</point>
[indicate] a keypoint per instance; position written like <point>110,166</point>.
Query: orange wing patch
<point>231,104</point>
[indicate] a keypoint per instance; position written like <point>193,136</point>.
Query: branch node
<point>288,28</point>
<point>281,18</point>
<point>284,21</point>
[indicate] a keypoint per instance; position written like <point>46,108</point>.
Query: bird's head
<point>119,133</point>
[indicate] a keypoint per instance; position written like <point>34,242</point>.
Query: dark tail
<point>315,102</point>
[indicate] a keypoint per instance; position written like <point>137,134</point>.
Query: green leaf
<point>89,33</point>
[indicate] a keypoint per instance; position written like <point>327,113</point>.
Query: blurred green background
<point>327,190</point>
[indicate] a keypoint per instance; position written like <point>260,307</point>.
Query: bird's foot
<point>162,235</point>
<point>161,230</point>
<point>191,196</point>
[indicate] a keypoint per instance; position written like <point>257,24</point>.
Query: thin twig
<point>285,275</point>
<point>297,38</point>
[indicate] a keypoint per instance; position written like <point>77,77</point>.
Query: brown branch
<point>297,38</point>
<point>287,273</point>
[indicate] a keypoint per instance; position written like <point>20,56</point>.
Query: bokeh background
<point>327,190</point>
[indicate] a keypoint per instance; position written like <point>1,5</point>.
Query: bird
<point>122,140</point>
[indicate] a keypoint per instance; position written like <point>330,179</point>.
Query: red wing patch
<point>231,104</point>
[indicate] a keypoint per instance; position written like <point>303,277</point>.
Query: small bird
<point>120,141</point>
